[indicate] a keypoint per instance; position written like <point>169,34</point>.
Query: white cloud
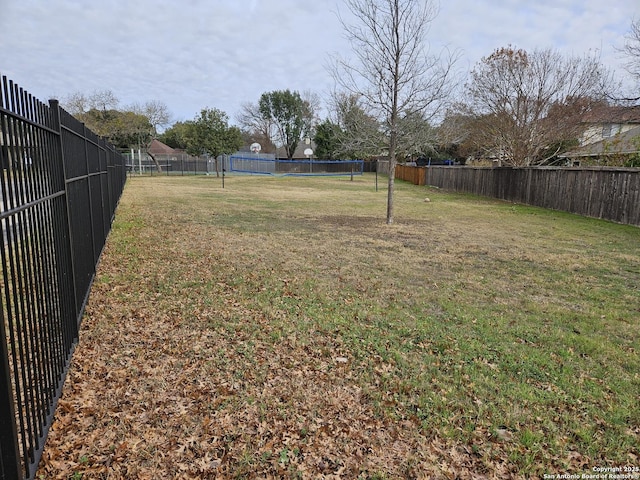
<point>196,53</point>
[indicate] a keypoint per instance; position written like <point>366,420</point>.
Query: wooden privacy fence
<point>600,192</point>
<point>415,175</point>
<point>60,185</point>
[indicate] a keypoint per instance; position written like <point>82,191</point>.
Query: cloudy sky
<point>192,54</point>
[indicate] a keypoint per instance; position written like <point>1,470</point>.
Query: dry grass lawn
<point>278,328</point>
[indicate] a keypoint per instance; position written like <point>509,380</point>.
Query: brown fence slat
<point>601,192</point>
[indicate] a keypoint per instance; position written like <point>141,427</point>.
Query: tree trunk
<point>155,160</point>
<point>397,47</point>
<point>393,139</point>
<point>397,78</point>
<point>392,178</point>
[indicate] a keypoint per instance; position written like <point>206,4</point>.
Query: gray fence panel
<point>601,192</point>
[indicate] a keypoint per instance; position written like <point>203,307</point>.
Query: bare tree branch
<point>632,50</point>
<point>394,72</point>
<point>527,104</point>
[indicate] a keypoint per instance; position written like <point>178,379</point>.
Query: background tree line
<point>395,98</point>
<point>528,106</point>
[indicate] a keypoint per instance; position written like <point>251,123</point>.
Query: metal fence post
<point>10,461</point>
<point>10,464</point>
<point>64,239</point>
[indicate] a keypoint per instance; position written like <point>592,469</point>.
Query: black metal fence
<point>60,187</point>
<point>174,164</point>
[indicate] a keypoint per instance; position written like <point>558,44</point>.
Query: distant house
<point>611,137</point>
<point>162,157</point>
<point>159,148</point>
<point>605,122</point>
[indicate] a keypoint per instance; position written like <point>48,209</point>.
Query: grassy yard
<point>279,328</point>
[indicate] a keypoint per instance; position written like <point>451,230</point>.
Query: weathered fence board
<point>605,192</point>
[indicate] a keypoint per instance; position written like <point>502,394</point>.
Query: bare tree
<point>76,103</point>
<point>158,115</point>
<point>156,111</point>
<point>103,100</point>
<point>360,132</point>
<point>394,72</point>
<point>417,137</point>
<point>454,132</point>
<point>632,51</point>
<point>527,106</point>
<point>135,125</point>
<point>259,129</point>
<point>311,110</point>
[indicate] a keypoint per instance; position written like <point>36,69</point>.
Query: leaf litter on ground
<point>277,342</point>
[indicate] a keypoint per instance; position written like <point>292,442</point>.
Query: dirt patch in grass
<point>279,329</point>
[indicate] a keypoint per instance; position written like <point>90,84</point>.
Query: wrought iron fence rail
<point>60,185</point>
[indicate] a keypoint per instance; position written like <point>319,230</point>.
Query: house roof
<point>613,114</point>
<point>159,148</point>
<point>625,143</point>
